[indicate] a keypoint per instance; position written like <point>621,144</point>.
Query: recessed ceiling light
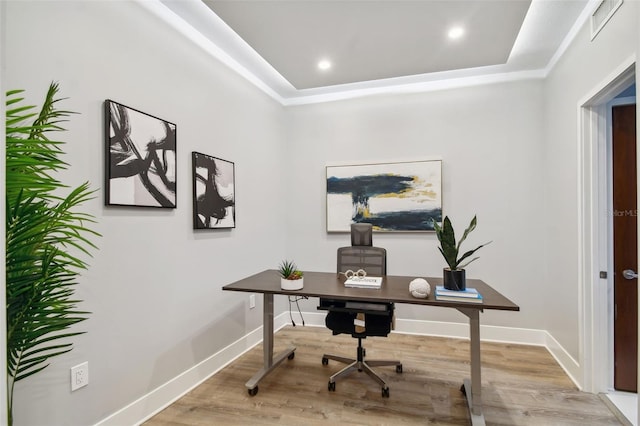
<point>324,65</point>
<point>455,32</point>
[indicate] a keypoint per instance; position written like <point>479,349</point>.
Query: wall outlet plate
<point>79,376</point>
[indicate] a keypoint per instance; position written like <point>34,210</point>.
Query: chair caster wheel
<point>292,355</point>
<point>463,390</point>
<point>332,386</point>
<point>385,392</point>
<point>399,368</point>
<point>253,391</point>
<point>325,361</point>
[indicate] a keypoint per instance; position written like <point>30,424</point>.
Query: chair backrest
<point>362,254</point>
<point>373,260</point>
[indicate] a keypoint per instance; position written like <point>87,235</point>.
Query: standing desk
<point>394,289</point>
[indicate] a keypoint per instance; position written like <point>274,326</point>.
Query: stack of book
<point>364,282</point>
<point>470,295</point>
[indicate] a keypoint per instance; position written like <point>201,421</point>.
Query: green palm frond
<point>31,155</point>
<point>45,237</point>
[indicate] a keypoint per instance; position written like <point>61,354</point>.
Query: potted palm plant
<point>454,277</point>
<point>290,277</point>
<point>44,235</point>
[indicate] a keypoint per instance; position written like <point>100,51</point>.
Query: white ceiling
<point>377,45</point>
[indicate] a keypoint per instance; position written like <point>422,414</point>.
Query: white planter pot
<point>286,284</point>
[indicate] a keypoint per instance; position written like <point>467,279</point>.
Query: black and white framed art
<point>140,158</point>
<point>214,205</point>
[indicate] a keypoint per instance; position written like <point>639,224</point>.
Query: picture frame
<point>140,158</point>
<point>214,205</point>
<point>393,197</point>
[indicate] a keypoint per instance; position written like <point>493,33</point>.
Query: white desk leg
<point>473,388</point>
<point>270,363</point>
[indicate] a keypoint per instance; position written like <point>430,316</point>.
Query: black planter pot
<point>454,279</point>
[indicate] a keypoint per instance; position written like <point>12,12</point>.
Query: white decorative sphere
<point>419,288</point>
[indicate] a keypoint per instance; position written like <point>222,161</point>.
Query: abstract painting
<point>214,203</point>
<point>403,196</point>
<point>140,158</point>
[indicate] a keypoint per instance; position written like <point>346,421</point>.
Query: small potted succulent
<point>454,276</point>
<point>291,278</point>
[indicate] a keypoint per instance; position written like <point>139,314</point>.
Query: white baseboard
<point>163,396</point>
<point>158,399</point>
<point>566,361</point>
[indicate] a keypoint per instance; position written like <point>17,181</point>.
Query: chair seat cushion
<point>342,323</point>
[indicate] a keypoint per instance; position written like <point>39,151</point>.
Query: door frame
<point>595,229</point>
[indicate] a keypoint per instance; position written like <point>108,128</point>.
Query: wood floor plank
<point>522,385</point>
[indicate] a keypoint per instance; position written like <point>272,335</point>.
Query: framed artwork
<point>214,204</point>
<point>140,158</point>
<point>403,196</point>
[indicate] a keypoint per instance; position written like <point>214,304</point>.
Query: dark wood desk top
<point>394,288</point>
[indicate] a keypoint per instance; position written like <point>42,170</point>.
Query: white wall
<point>584,66</point>
<point>488,138</point>
<point>154,286</point>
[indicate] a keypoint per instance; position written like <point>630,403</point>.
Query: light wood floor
<point>522,385</point>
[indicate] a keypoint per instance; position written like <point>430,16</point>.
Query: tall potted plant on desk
<point>454,277</point>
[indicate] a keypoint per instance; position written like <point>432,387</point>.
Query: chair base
<point>360,365</point>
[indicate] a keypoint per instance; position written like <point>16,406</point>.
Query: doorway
<point>597,258</point>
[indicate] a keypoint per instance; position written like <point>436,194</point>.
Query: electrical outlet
<point>252,301</point>
<point>79,376</point>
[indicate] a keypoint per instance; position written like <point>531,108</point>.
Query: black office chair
<point>357,318</point>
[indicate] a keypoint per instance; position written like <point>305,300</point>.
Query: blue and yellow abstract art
<point>403,196</point>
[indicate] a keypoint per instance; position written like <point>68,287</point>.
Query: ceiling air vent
<point>602,14</point>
